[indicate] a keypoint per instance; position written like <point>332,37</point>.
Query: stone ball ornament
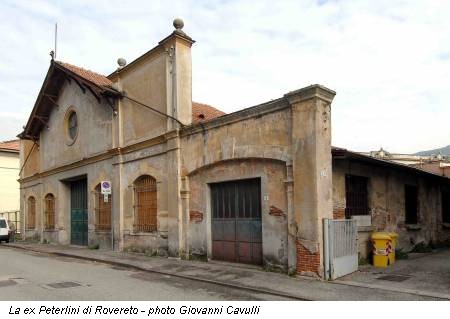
<point>121,62</point>
<point>178,23</point>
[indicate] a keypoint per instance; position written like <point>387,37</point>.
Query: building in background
<point>435,163</point>
<point>9,185</point>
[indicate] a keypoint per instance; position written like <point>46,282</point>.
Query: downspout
<point>119,146</point>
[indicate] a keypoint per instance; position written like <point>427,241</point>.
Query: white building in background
<point>9,174</point>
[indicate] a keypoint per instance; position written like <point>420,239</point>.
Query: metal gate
<point>78,213</point>
<point>236,221</point>
<point>340,247</point>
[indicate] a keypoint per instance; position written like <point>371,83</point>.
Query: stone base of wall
<point>154,244</point>
<point>50,236</point>
<point>32,235</point>
<point>308,263</point>
<point>101,238</point>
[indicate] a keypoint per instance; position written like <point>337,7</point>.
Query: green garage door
<point>78,212</point>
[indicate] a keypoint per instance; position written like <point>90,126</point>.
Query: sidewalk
<point>232,275</point>
<point>422,272</point>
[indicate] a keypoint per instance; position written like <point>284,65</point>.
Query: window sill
<point>413,227</point>
<point>366,228</point>
<point>49,230</point>
<point>151,234</point>
<point>102,231</point>
<point>446,225</point>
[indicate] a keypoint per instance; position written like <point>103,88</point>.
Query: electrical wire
<point>153,109</point>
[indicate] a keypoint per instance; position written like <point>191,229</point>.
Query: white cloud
<point>389,61</point>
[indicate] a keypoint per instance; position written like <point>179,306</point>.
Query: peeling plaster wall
<point>387,203</point>
<point>255,147</point>
<point>150,161</point>
<point>267,136</point>
<point>145,82</point>
<point>94,128</point>
<point>274,206</point>
<point>60,188</point>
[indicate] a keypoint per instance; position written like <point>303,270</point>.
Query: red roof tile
<point>10,145</point>
<point>204,112</point>
<point>89,75</point>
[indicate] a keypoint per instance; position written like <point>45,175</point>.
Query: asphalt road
<point>32,276</point>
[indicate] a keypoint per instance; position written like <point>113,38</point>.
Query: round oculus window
<point>72,125</point>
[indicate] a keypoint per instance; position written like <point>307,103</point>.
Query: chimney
<point>179,81</point>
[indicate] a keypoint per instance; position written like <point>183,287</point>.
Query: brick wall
<point>339,213</point>
<point>307,261</point>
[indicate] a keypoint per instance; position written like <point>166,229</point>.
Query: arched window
<point>145,217</point>
<point>31,216</point>
<point>49,213</point>
<point>102,210</point>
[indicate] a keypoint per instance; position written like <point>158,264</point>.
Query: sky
<point>388,61</point>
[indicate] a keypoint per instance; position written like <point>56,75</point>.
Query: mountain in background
<point>444,151</point>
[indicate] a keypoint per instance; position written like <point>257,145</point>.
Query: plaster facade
<point>9,187</point>
<point>285,143</point>
<point>386,203</point>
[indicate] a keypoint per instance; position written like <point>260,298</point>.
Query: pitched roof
<point>98,84</point>
<point>342,153</point>
<point>10,146</point>
<point>204,112</point>
<point>89,75</point>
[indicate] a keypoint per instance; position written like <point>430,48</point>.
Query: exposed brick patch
<point>195,216</point>
<point>339,213</point>
<point>307,261</point>
<point>275,211</point>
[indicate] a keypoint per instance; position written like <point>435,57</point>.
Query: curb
<point>130,266</point>
<point>401,290</point>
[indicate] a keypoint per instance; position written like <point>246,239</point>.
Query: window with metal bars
<point>410,204</point>
<point>49,212</point>
<point>145,205</point>
<point>102,210</point>
<point>356,196</point>
<point>31,216</point>
<point>446,206</point>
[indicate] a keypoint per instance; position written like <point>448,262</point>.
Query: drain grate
<point>396,278</point>
<point>8,282</point>
<point>64,284</point>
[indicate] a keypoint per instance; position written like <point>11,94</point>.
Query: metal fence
<point>340,246</point>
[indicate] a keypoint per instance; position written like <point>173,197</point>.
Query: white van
<point>5,231</point>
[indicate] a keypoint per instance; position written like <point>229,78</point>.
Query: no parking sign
<point>105,190</point>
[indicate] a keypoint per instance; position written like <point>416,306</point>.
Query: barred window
<point>49,213</point>
<point>31,216</point>
<point>446,206</point>
<point>102,210</point>
<point>145,206</point>
<point>356,196</point>
<point>411,206</point>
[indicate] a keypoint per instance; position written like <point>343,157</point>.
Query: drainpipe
<point>119,145</point>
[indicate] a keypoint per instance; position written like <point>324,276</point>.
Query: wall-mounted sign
<point>106,187</point>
